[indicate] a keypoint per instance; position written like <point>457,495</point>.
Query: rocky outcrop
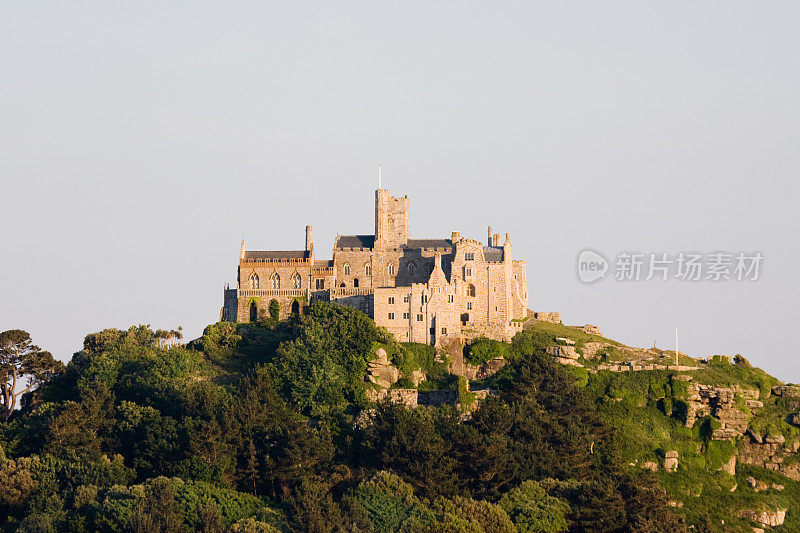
<point>381,371</point>
<point>765,518</point>
<point>563,352</point>
<point>565,355</point>
<point>671,461</point>
<point>487,369</point>
<point>592,330</point>
<point>729,466</point>
<point>771,453</point>
<point>720,402</point>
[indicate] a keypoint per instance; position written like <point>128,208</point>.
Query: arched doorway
<point>253,312</point>
<point>355,282</point>
<point>295,308</point>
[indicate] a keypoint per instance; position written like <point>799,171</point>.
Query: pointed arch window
<point>296,282</point>
<point>471,290</point>
<point>347,269</point>
<point>391,269</point>
<point>411,268</point>
<point>368,269</point>
<point>276,281</point>
<point>254,281</point>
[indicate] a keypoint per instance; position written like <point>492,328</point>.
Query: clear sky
<point>139,141</point>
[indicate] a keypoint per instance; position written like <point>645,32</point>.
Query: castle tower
<point>392,220</point>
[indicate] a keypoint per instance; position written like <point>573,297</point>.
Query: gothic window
<point>391,316</point>
<point>320,283</point>
<point>342,285</point>
<point>391,269</point>
<point>347,269</point>
<point>276,281</point>
<point>469,256</point>
<point>368,269</point>
<point>405,299</point>
<point>471,290</point>
<point>467,272</point>
<point>296,283</point>
<point>355,282</point>
<point>254,281</point>
<point>411,268</point>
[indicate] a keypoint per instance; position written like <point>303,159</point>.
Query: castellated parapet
<point>421,290</point>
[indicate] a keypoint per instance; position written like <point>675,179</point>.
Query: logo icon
<point>592,266</point>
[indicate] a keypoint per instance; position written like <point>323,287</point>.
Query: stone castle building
<point>421,290</point>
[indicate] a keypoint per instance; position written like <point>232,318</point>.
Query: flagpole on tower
<point>379,175</point>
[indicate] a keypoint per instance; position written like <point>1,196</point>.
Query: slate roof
<point>355,241</point>
<point>430,243</point>
<point>275,254</point>
<point>493,253</point>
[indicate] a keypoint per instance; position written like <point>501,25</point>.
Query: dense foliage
<point>268,427</point>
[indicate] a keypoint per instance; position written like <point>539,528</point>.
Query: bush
<point>532,509</point>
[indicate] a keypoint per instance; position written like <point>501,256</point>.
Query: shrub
<point>532,509</point>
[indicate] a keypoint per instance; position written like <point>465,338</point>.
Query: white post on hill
<point>676,346</point>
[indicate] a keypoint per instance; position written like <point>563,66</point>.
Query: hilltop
<point>325,422</point>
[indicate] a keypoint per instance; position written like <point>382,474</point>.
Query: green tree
<point>23,367</point>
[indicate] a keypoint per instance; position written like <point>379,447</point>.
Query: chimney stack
<point>455,237</point>
<point>309,239</point>
<point>496,240</point>
<point>241,251</point>
<point>489,239</point>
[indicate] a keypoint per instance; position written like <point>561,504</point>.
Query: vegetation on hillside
<point>267,427</point>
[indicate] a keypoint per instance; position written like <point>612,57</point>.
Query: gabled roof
<point>355,241</point>
<point>275,254</point>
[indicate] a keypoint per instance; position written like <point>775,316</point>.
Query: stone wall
<point>552,317</point>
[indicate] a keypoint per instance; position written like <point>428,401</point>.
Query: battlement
<point>421,290</point>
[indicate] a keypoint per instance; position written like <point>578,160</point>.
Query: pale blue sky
<point>139,141</point>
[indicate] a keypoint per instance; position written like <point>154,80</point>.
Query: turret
<point>309,239</point>
<point>489,238</point>
<point>241,252</point>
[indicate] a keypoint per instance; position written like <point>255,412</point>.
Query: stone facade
<point>421,290</point>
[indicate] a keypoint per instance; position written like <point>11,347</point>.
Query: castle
<point>421,290</point>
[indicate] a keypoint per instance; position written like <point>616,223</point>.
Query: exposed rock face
<point>650,465</point>
<point>566,355</point>
<point>720,403</point>
<point>671,461</point>
<point>765,518</point>
<point>564,352</point>
<point>417,377</point>
<point>487,369</point>
<point>771,454</point>
<point>730,466</point>
<point>592,330</point>
<point>381,371</point>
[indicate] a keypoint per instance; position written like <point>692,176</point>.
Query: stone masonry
<point>420,290</point>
